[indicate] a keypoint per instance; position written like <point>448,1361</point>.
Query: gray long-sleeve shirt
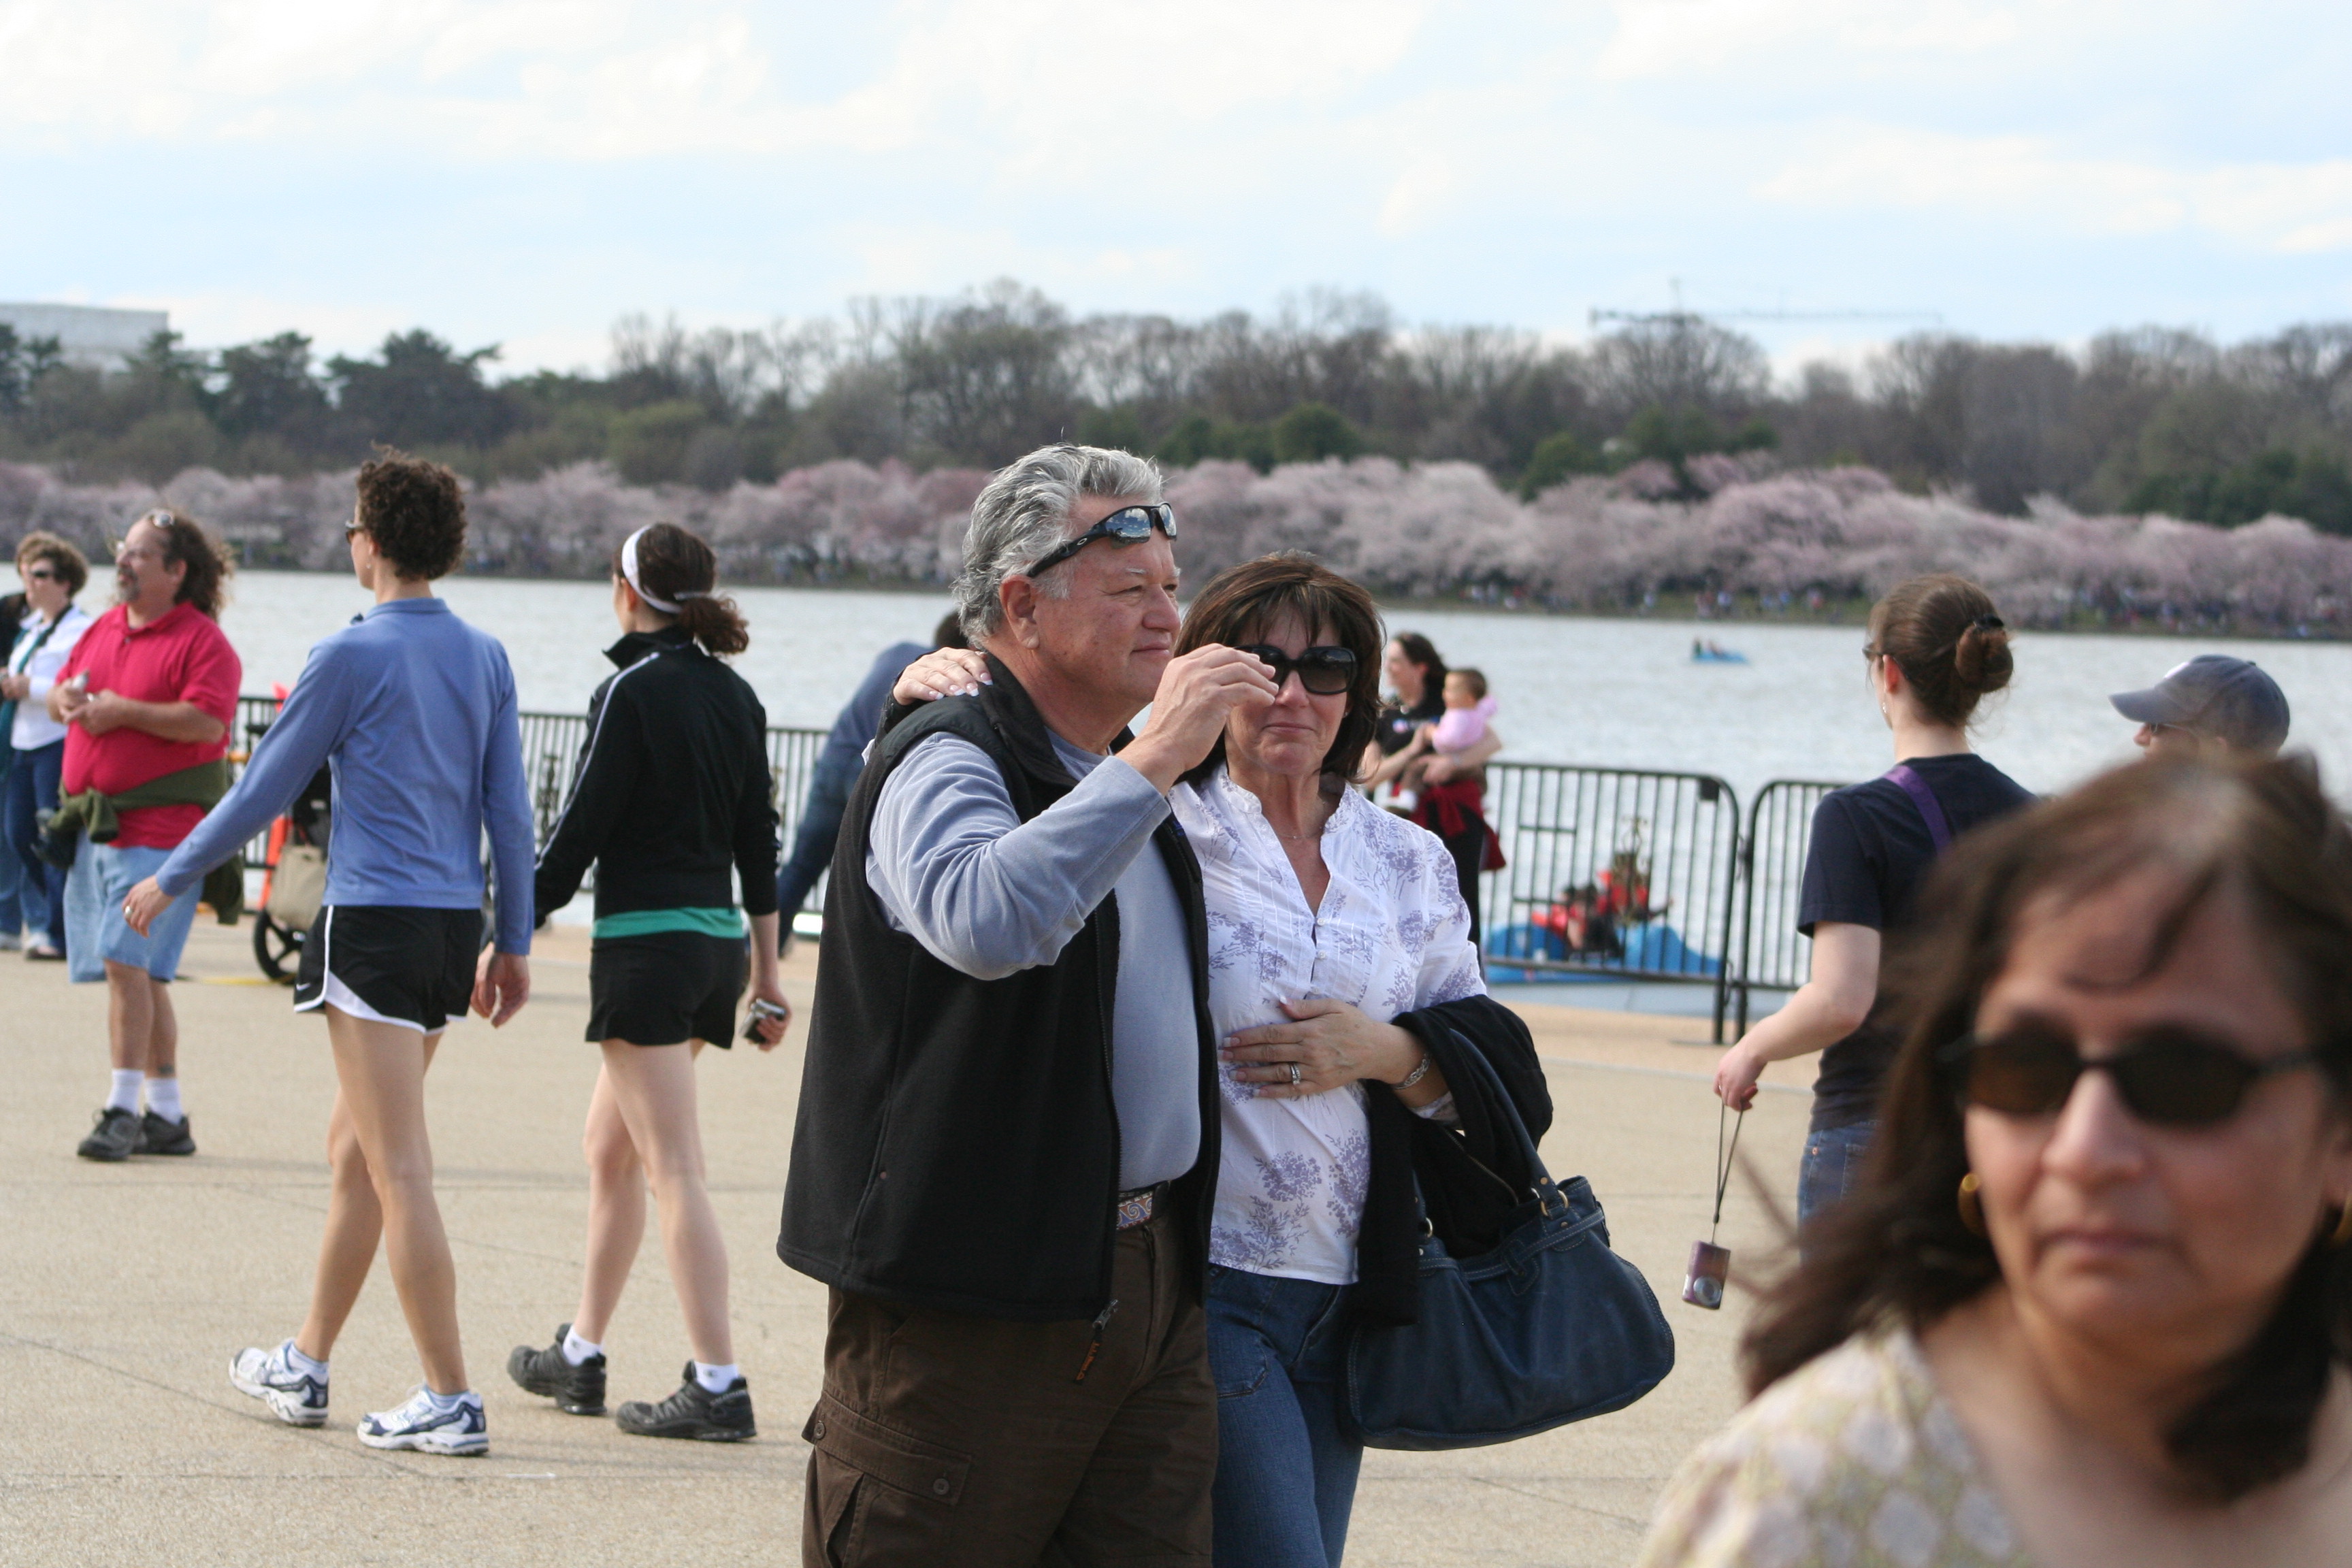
<point>987,894</point>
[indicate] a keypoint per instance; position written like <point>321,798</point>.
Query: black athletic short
<point>666,987</point>
<point>390,963</point>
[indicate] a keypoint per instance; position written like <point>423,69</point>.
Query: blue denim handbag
<point>1550,1327</point>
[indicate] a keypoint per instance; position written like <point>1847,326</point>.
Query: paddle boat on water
<point>1707,651</point>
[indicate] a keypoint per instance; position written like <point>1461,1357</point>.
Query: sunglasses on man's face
<point>40,574</point>
<point>1326,671</point>
<point>1129,526</point>
<point>2166,1077</point>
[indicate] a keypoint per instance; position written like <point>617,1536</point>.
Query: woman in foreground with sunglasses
<point>1344,988</point>
<point>2092,1299</point>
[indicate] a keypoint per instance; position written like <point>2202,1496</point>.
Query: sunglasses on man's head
<point>2167,1077</point>
<point>1326,669</point>
<point>1129,526</point>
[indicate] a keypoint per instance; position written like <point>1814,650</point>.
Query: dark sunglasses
<point>40,574</point>
<point>1326,671</point>
<point>2168,1078</point>
<point>1129,526</point>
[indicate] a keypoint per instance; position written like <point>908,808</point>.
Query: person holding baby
<point>1437,737</point>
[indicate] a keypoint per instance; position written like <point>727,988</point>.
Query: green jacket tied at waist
<point>100,816</point>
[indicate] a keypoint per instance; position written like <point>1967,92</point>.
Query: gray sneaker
<point>157,1136</point>
<point>115,1138</point>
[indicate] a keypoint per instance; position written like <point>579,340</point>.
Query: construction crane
<point>1677,316</point>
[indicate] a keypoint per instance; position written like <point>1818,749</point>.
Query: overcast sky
<point>522,171</point>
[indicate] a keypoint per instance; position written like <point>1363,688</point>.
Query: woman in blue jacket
<point>414,712</point>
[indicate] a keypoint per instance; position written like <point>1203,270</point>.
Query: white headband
<point>629,571</point>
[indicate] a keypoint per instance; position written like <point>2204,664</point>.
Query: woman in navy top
<point>1937,648</point>
<point>414,712</point>
<point>672,804</point>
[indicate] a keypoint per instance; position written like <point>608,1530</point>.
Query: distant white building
<point>92,336</point>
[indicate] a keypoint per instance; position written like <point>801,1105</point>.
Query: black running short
<point>666,987</point>
<point>390,964</point>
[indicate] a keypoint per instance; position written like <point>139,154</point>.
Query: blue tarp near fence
<point>1650,947</point>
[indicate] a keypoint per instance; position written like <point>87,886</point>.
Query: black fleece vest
<point>956,1145</point>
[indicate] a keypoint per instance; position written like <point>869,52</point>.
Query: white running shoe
<point>294,1397</point>
<point>429,1428</point>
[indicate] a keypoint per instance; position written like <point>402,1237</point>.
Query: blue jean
<point>101,878</point>
<point>1286,1466</point>
<point>32,789</point>
<point>1832,1163</point>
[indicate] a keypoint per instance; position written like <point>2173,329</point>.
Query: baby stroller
<point>293,873</point>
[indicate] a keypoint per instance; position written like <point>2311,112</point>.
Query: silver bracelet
<point>1418,1073</point>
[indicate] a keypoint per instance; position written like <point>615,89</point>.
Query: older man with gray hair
<point>1006,1151</point>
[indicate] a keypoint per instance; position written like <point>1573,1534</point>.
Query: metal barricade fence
<point>1772,954</point>
<point>1612,873</point>
<point>550,751</point>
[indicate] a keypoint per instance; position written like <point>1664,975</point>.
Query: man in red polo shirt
<point>148,695</point>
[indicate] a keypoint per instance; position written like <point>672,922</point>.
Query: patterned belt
<point>1136,1207</point>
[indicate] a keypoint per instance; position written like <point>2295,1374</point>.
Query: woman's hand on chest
<point>1321,1046</point>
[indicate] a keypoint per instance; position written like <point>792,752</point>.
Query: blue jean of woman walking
<point>31,789</point>
<point>1277,1349</point>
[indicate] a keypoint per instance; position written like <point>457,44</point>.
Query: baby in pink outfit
<point>1462,726</point>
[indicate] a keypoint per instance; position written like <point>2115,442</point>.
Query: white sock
<point>298,1362</point>
<point>124,1095</point>
<point>577,1350</point>
<point>163,1097</point>
<point>448,1402</point>
<point>716,1379</point>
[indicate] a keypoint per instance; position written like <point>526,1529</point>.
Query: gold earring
<point>1973,1205</point>
<point>2343,1228</point>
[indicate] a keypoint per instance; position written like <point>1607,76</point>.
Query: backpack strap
<point>1939,831</point>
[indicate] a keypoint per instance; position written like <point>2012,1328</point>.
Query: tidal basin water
<point>1621,693</point>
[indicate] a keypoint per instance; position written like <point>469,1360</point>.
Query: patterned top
<point>1854,1460</point>
<point>1393,935</point>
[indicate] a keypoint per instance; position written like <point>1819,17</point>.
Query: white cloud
<point>1676,37</point>
<point>1048,79</point>
<point>2290,208</point>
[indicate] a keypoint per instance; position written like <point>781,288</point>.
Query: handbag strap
<point>1484,1069</point>
<point>1939,832</point>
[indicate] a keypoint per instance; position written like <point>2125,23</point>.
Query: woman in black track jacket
<point>673,803</point>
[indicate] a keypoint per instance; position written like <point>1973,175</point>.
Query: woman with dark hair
<point>53,572</point>
<point>1937,648</point>
<point>1345,990</point>
<point>414,710</point>
<point>672,806</point>
<point>2093,1299</point>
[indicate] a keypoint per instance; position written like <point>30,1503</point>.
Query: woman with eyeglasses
<point>2092,1301</point>
<point>53,572</point>
<point>1937,649</point>
<point>1345,989</point>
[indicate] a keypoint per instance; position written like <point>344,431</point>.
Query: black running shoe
<point>576,1390</point>
<point>693,1412</point>
<point>157,1136</point>
<point>116,1136</point>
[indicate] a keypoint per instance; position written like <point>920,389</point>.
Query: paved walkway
<point>123,1290</point>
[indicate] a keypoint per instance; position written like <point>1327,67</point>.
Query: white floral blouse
<point>1393,935</point>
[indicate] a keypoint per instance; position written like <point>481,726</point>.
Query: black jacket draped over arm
<point>1472,1174</point>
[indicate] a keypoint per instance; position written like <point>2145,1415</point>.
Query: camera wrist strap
<point>1723,1158</point>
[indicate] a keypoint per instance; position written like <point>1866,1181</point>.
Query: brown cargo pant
<point>947,1441</point>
